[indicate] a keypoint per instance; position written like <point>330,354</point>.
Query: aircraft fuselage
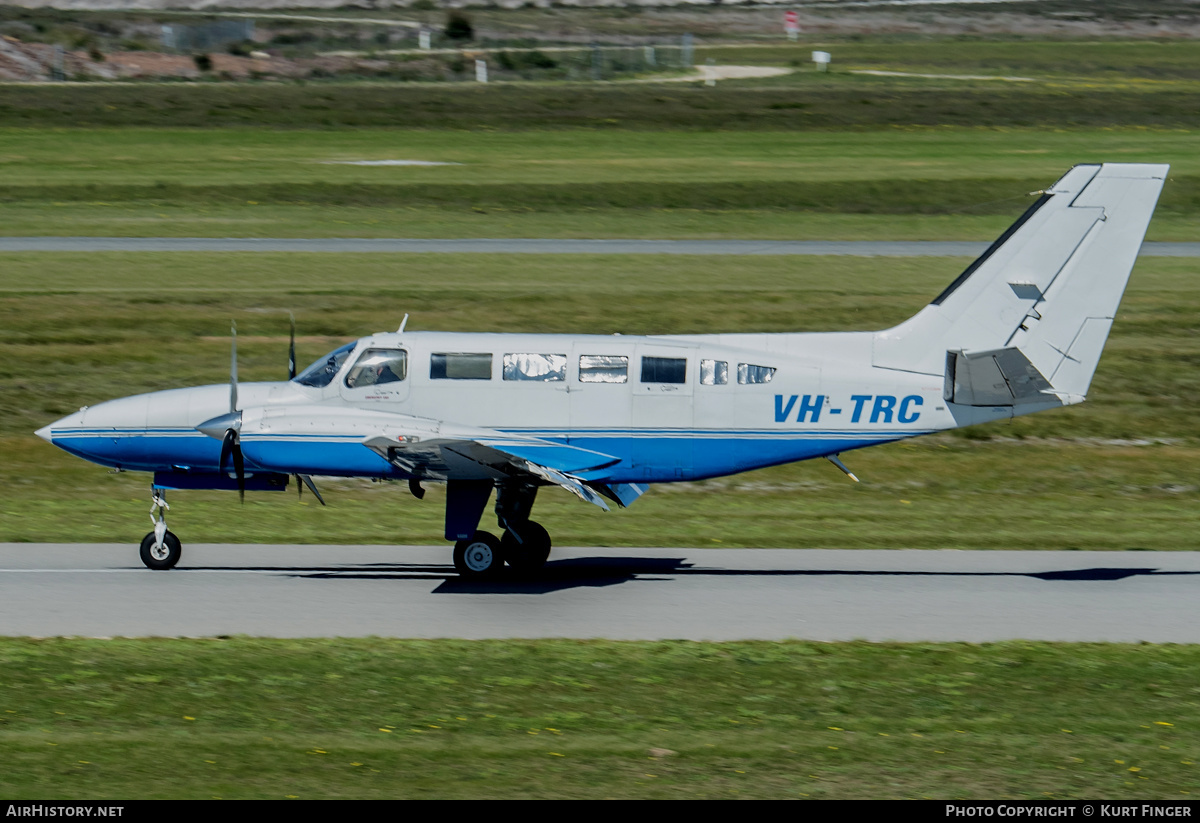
<point>669,408</point>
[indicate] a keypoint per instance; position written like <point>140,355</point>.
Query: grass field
<point>243,718</point>
<point>956,183</point>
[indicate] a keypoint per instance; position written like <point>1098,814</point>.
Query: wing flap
<point>503,456</point>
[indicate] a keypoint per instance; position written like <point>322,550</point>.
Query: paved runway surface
<point>699,594</point>
<point>862,248</point>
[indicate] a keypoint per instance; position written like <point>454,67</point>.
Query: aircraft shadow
<point>594,572</point>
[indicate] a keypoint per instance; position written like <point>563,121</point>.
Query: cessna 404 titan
<point>1021,330</point>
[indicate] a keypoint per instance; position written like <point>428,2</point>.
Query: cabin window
<point>714,372</point>
<point>375,367</point>
<point>603,368</point>
<point>536,368</point>
<point>664,370</point>
<point>749,373</point>
<point>322,372</point>
<point>460,366</point>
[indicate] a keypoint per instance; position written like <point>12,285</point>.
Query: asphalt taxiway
<point>102,590</point>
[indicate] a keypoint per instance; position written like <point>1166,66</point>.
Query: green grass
<point>38,161</point>
<point>138,219</point>
<point>798,102</point>
<point>914,184</point>
<point>243,718</point>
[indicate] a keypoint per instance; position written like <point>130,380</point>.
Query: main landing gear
<point>161,549</point>
<point>524,549</point>
<point>524,546</point>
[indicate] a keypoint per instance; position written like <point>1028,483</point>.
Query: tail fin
<point>1026,322</point>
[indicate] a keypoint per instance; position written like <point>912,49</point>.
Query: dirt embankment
<point>38,62</point>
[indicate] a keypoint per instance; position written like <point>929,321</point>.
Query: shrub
<point>458,26</point>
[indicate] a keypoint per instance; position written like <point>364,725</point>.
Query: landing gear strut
<point>160,549</point>
<point>525,544</point>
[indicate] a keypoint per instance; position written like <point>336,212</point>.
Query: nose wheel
<point>160,556</point>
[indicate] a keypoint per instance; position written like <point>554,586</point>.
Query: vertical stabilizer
<point>1046,291</point>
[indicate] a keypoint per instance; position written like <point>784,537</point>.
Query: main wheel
<point>479,557</point>
<point>163,557</point>
<point>531,553</point>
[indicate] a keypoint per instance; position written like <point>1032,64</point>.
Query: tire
<point>163,558</point>
<point>478,558</point>
<point>529,556</point>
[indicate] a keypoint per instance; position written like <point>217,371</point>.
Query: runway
<point>860,248</point>
<point>618,593</point>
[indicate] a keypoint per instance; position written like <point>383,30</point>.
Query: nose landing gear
<point>160,548</point>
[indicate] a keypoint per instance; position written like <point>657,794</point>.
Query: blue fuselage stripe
<point>646,455</point>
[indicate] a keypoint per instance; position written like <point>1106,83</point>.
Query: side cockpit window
<point>375,367</point>
<point>322,372</point>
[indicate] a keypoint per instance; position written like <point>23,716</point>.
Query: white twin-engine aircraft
<point>604,417</point>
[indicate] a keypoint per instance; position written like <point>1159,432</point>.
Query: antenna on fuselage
<point>833,458</point>
<point>403,323</point>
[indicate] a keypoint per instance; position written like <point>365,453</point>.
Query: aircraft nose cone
<point>71,421</point>
<point>217,426</point>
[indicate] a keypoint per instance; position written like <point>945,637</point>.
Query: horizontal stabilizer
<point>1003,377</point>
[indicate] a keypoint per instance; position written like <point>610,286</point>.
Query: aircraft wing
<point>542,459</point>
<point>432,449</point>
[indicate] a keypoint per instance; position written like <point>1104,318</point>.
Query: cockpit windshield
<point>322,372</point>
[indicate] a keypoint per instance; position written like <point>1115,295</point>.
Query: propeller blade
<point>239,468</point>
<point>226,447</point>
<point>230,447</point>
<point>292,349</point>
<point>233,369</point>
<point>308,481</point>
